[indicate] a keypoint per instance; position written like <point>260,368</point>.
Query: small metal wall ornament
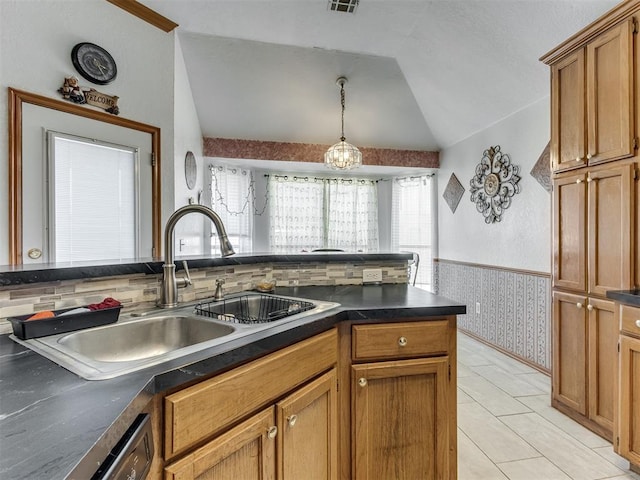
<point>494,184</point>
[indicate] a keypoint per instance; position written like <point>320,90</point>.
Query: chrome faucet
<point>170,283</point>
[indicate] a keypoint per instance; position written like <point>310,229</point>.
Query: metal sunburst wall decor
<point>494,184</point>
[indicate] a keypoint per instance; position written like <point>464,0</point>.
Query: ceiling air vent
<point>346,6</point>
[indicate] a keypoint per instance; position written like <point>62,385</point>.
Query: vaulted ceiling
<point>421,74</point>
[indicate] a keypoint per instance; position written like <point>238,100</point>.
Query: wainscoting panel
<point>514,307</point>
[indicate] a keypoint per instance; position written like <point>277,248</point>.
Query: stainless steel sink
<point>127,342</point>
<point>158,336</point>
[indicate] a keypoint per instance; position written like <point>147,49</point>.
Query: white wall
<point>36,39</point>
<point>522,240</point>
<point>187,137</point>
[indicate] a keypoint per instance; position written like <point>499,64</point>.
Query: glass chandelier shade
<point>342,155</point>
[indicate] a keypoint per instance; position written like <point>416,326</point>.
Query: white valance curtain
<point>307,213</point>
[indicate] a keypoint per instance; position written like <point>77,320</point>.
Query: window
<point>307,213</point>
<point>93,199</point>
<point>232,198</point>
<point>413,228</point>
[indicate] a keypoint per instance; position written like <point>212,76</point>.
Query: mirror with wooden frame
<point>21,195</point>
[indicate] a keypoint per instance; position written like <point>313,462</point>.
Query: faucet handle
<point>219,295</point>
<point>186,280</point>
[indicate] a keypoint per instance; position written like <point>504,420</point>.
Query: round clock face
<point>94,63</point>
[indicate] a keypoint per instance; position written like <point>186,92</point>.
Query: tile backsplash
<point>140,291</point>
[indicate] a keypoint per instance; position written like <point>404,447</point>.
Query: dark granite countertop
<point>35,273</point>
<point>55,425</point>
<point>630,297</point>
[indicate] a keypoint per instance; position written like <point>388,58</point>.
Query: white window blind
<point>412,225</point>
<point>93,200</point>
<point>232,198</point>
<point>307,213</point>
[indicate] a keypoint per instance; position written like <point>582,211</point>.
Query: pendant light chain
<point>342,138</point>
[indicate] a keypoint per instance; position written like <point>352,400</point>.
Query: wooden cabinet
<point>628,442</point>
<point>246,451</point>
<point>402,407</point>
<point>627,422</point>
<point>202,410</point>
<point>570,351</point>
<point>592,100</point>
<point>609,225</point>
<point>585,338</point>
<point>400,425</point>
<point>308,431</point>
<point>295,439</point>
<point>570,232</point>
<point>592,229</point>
<point>284,417</point>
<point>602,366</point>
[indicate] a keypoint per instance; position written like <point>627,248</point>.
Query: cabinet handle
<point>362,382</point>
<point>579,305</point>
<point>638,323</point>
<point>292,420</point>
<point>402,341</point>
<point>589,179</point>
<point>272,432</point>
<point>579,180</point>
<point>589,307</point>
<point>589,156</point>
<point>578,159</point>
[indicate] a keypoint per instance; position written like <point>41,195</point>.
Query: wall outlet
<point>371,275</point>
<point>477,308</point>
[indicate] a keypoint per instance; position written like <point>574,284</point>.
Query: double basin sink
<point>158,336</point>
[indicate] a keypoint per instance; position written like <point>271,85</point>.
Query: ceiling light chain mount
<point>342,155</point>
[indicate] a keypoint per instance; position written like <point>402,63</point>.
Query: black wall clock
<point>94,63</point>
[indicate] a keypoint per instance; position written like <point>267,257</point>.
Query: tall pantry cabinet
<point>594,163</point>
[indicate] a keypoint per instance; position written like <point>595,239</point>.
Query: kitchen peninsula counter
<point>55,425</point>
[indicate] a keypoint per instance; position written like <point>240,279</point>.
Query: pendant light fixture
<point>342,155</point>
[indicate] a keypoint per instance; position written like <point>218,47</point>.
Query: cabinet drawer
<point>400,340</point>
<point>630,320</point>
<point>202,410</point>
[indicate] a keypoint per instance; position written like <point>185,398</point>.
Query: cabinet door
<point>308,431</point>
<point>568,123</point>
<point>629,401</point>
<point>569,237</point>
<point>245,452</point>
<point>610,224</point>
<point>570,351</point>
<point>636,207</point>
<point>610,94</point>
<point>400,419</point>
<point>603,346</point>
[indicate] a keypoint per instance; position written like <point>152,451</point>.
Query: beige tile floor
<point>508,430</point>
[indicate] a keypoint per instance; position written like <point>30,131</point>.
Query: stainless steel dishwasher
<point>131,458</point>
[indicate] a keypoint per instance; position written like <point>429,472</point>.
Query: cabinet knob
<point>589,179</point>
<point>579,305</point>
<point>402,341</point>
<point>589,156</point>
<point>638,323</point>
<point>589,307</point>
<point>579,180</point>
<point>272,432</point>
<point>362,382</point>
<point>578,159</point>
<point>292,420</point>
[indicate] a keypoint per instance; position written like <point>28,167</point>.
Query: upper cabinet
<point>592,100</point>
